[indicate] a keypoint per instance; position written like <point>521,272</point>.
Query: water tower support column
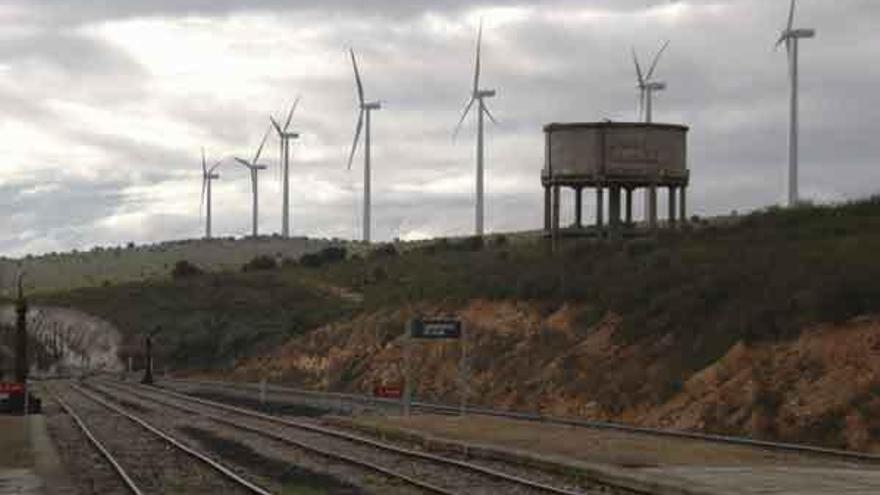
<point>600,205</point>
<point>578,206</point>
<point>555,221</point>
<point>547,207</point>
<point>672,217</point>
<point>629,205</point>
<point>614,206</point>
<point>682,204</point>
<point>652,206</point>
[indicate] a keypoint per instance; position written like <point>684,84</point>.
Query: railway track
<point>427,472</point>
<point>348,402</point>
<point>139,453</point>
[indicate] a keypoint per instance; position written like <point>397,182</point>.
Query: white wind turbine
<point>365,109</point>
<point>254,167</point>
<point>791,37</point>
<point>208,175</point>
<point>647,86</point>
<point>478,95</point>
<point>284,138</point>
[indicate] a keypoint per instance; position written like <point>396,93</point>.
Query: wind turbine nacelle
<point>656,86</point>
<point>802,33</point>
<point>213,176</point>
<point>373,105</point>
<point>259,166</point>
<point>291,135</point>
<point>485,93</point>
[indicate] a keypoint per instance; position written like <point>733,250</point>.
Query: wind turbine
<point>284,138</point>
<point>647,86</point>
<point>365,109</point>
<point>478,95</point>
<point>254,166</point>
<point>791,36</point>
<point>208,175</point>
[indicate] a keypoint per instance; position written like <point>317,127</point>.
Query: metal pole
<point>793,136</point>
<point>367,180</point>
<point>256,203</point>
<point>479,219</point>
<point>463,372</point>
<point>285,212</point>
<point>208,216</point>
<point>407,372</point>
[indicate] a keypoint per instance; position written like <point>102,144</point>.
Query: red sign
<point>388,392</point>
<point>11,388</point>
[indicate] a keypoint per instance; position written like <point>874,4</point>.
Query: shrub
<point>383,251</point>
<point>328,255</point>
<point>262,262</point>
<point>185,269</point>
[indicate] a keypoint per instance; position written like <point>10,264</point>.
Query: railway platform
<point>29,464</point>
<point>657,465</point>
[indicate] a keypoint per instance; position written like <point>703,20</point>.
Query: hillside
<point>120,264</point>
<point>715,327</point>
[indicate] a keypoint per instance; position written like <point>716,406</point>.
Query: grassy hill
<point>112,265</point>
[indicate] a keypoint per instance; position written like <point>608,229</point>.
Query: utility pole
<point>148,368</point>
<point>21,309</point>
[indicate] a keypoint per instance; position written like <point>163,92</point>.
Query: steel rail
<point>540,418</point>
<point>228,473</point>
<point>493,473</point>
<point>132,486</point>
<point>302,445</point>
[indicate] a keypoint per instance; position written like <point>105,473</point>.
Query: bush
<point>328,255</point>
<point>383,251</point>
<point>185,269</point>
<point>262,262</point>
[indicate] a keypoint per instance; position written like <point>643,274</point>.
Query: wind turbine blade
<point>357,77</point>
<point>489,114</point>
<point>477,62</point>
<point>275,125</point>
<point>214,166</point>
<point>357,135</point>
<point>290,115</point>
<point>204,166</point>
<point>260,149</point>
<point>243,162</point>
<point>638,68</point>
<point>656,59</point>
<point>791,16</point>
<point>463,115</point>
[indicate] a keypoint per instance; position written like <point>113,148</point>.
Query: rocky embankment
<point>823,387</point>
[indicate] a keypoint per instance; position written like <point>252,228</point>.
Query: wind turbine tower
<point>284,137</point>
<point>254,167</point>
<point>208,175</point>
<point>478,95</point>
<point>365,109</point>
<point>791,37</point>
<point>647,85</point>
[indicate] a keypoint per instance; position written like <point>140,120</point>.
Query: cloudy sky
<point>105,105</point>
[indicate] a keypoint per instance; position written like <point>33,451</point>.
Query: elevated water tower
<point>619,157</point>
